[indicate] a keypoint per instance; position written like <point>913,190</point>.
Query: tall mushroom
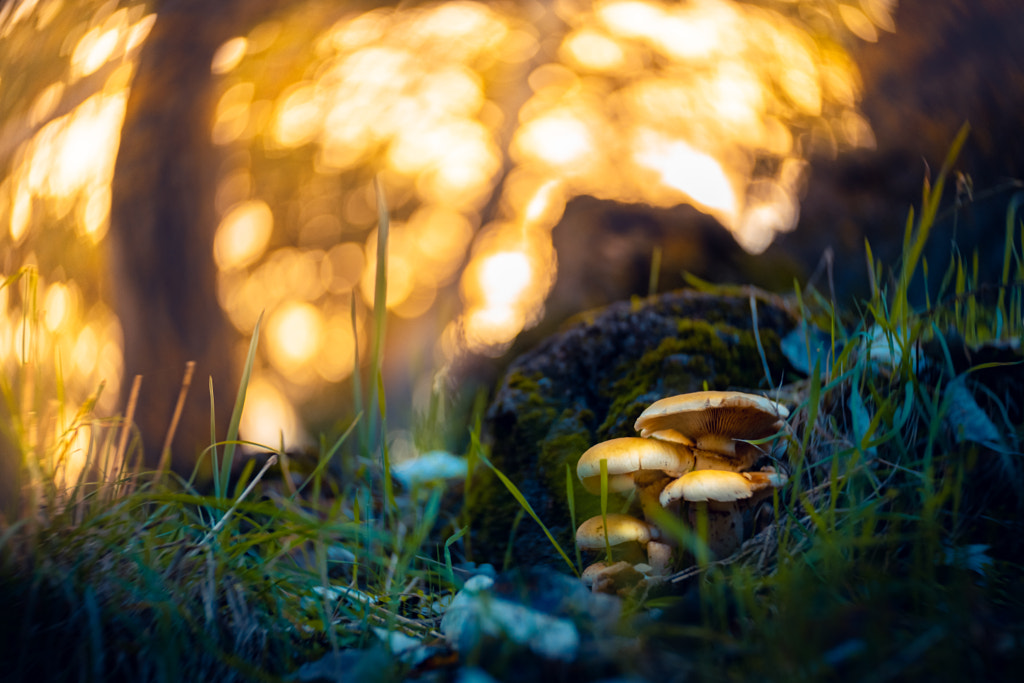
<point>717,422</point>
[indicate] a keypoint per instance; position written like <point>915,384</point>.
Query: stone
<point>589,383</point>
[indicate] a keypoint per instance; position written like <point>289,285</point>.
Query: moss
<point>534,442</point>
<point>526,386</point>
<point>724,356</point>
<point>568,439</point>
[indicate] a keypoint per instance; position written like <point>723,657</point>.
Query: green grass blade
<point>385,456</point>
<point>236,414</point>
<point>872,276</point>
<point>380,291</point>
<point>652,283</point>
<point>757,340</point>
<point>572,510</point>
<point>914,240</point>
<point>1011,215</point>
<point>448,553</point>
<point>214,468</point>
<point>357,384</point>
<point>525,505</point>
<point>604,509</point>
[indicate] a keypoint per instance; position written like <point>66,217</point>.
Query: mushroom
<point>629,457</point>
<point>719,493</point>
<point>626,457</point>
<point>623,529</point>
<point>717,422</point>
<point>620,529</point>
<point>646,465</point>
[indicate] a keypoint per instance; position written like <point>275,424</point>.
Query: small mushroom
<point>718,422</point>
<point>621,529</point>
<point>720,493</point>
<point>615,578</point>
<point>624,529</point>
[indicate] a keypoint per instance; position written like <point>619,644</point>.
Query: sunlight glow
<point>480,120</point>
<point>77,450</point>
<point>269,416</point>
<point>503,277</point>
<point>297,117</point>
<point>559,139</point>
<point>489,330</point>
<point>592,50</point>
<point>858,23</point>
<point>294,333</point>
<point>229,55</point>
<point>232,116</point>
<point>243,235</point>
<point>97,46</point>
<point>638,101</point>
<point>71,160</point>
<point>696,174</point>
<point>57,306</point>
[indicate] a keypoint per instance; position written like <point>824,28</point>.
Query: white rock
<point>475,612</point>
<point>432,466</point>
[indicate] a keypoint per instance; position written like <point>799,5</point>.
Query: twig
<point>129,415</point>
<point>165,452</point>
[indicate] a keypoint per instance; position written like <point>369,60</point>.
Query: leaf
<point>861,421</point>
<point>967,420</point>
<point>804,347</point>
<point>973,557</point>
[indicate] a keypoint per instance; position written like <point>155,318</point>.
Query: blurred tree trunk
<point>162,225</point>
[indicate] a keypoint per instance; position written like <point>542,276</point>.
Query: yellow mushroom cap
<point>713,419</point>
<point>669,435</point>
<point>626,456</point>
<point>621,529</point>
<point>719,486</point>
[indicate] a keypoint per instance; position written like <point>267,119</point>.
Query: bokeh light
<point>65,75</point>
<point>480,120</point>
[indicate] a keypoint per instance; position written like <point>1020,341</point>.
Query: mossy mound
<point>590,382</point>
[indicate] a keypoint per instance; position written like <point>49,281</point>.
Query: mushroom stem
<point>717,443</point>
<point>659,556</point>
<point>724,525</point>
<point>742,458</point>
<point>649,486</point>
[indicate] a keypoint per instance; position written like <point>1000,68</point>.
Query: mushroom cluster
<point>693,457</point>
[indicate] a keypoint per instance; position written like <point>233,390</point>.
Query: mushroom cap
<point>719,486</point>
<point>626,456</point>
<point>621,529</point>
<point>731,414</point>
<point>669,435</point>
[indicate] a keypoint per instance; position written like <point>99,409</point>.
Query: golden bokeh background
<point>481,120</point>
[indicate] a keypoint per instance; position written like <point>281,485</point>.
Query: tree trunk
<point>163,221</point>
